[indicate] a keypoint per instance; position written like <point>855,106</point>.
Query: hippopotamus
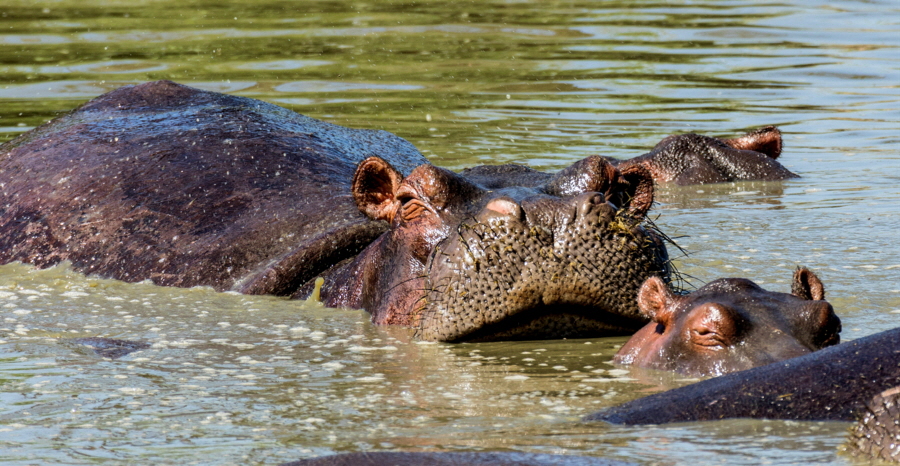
<point>877,433</point>
<point>184,187</point>
<point>730,324</point>
<point>687,159</point>
<point>110,348</point>
<point>833,384</point>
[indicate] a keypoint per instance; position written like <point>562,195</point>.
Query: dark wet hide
<point>453,459</point>
<point>877,434</point>
<point>554,322</point>
<point>832,384</point>
<point>109,347</point>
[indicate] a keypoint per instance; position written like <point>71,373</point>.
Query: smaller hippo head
<point>686,159</point>
<point>731,324</point>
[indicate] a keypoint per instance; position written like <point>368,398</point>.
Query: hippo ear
<point>656,301</point>
<point>635,190</point>
<point>764,140</point>
<point>374,188</point>
<point>806,285</point>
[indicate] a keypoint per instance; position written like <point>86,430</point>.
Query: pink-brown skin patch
<point>687,159</point>
<point>731,324</point>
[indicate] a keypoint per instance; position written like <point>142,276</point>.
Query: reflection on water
<point>765,194</point>
<point>232,379</point>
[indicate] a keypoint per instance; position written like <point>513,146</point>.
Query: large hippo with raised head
<point>730,324</point>
<point>185,187</point>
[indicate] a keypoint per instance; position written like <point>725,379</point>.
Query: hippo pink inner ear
<point>636,189</point>
<point>713,325</point>
<point>374,188</point>
<point>656,301</point>
<point>806,285</point>
<point>764,140</point>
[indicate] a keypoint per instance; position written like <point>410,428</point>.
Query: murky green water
<point>235,379</point>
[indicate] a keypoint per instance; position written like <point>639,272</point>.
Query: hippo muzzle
<point>543,268</point>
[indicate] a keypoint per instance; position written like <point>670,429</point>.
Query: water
<point>236,379</point>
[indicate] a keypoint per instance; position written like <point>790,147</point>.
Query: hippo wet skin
<point>833,384</point>
<point>687,159</point>
<point>730,324</point>
<point>877,433</point>
<point>185,187</point>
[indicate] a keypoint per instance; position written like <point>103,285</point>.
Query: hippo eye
<point>714,326</point>
<point>412,209</point>
<point>411,206</point>
<point>707,338</point>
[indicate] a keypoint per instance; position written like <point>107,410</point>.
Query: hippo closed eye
<point>185,187</point>
<point>731,324</point>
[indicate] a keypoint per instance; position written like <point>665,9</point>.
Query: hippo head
<point>686,159</point>
<point>731,324</point>
<point>504,252</point>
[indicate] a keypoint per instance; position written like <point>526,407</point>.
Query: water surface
<point>233,379</point>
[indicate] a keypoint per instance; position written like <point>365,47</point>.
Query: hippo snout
<point>542,267</point>
<point>586,202</point>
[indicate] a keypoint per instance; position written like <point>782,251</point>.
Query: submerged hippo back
<point>186,187</point>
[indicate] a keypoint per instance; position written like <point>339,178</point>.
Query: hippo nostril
<point>505,207</point>
<point>587,201</point>
<point>500,208</point>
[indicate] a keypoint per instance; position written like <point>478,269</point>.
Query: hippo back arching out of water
<point>730,324</point>
<point>185,187</point>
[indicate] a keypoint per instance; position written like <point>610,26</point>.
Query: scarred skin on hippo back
<point>877,432</point>
<point>186,187</point>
